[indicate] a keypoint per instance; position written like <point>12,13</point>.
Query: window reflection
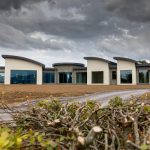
<point>23,76</point>
<point>2,74</point>
<point>143,76</point>
<point>126,76</point>
<point>81,77</point>
<point>65,77</point>
<point>48,77</point>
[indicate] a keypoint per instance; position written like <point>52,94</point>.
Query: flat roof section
<point>125,59</point>
<point>23,58</point>
<point>68,64</point>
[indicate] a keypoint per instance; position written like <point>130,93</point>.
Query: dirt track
<point>20,93</point>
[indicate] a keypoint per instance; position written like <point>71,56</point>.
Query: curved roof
<point>23,58</point>
<point>125,59</point>
<point>98,58</point>
<point>68,64</point>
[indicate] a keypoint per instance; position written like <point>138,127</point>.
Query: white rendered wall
<point>97,65</point>
<point>126,65</point>
<point>16,64</point>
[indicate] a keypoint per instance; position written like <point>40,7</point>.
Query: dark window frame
<point>128,79</point>
<point>96,79</point>
<point>65,77</point>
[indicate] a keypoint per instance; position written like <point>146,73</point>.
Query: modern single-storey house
<point>99,71</point>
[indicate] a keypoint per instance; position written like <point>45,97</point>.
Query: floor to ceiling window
<point>81,77</point>
<point>23,76</point>
<point>48,77</point>
<point>143,76</point>
<point>2,74</point>
<point>126,76</point>
<point>65,77</point>
<point>97,77</point>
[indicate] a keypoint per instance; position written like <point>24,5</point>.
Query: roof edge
<point>98,58</point>
<point>68,63</point>
<point>125,59</point>
<point>23,58</point>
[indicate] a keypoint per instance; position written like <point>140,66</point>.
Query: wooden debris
<point>86,126</point>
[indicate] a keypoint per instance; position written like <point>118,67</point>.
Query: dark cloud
<point>77,27</point>
<point>134,10</point>
<point>15,39</point>
<point>71,19</point>
<point>17,4</point>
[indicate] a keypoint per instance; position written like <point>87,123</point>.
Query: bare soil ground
<point>20,93</point>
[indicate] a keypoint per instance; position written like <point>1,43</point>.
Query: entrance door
<point>65,77</point>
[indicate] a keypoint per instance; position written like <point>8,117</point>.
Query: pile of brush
<point>74,126</point>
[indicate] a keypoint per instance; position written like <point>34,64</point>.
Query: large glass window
<point>23,76</point>
<point>81,77</point>
<point>65,77</point>
<point>2,74</point>
<point>48,77</point>
<point>97,77</point>
<point>143,76</point>
<point>126,76</point>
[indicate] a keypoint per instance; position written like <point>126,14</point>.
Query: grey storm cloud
<point>12,38</point>
<point>16,4</point>
<point>134,10</point>
<point>87,27</point>
<point>71,19</point>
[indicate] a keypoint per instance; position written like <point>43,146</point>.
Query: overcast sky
<point>52,31</point>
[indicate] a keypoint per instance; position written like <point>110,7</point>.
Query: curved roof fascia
<point>68,64</point>
<point>125,59</point>
<point>24,59</point>
<point>98,58</point>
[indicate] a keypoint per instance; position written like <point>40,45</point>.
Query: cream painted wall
<point>126,65</point>
<point>16,64</point>
<point>97,65</point>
